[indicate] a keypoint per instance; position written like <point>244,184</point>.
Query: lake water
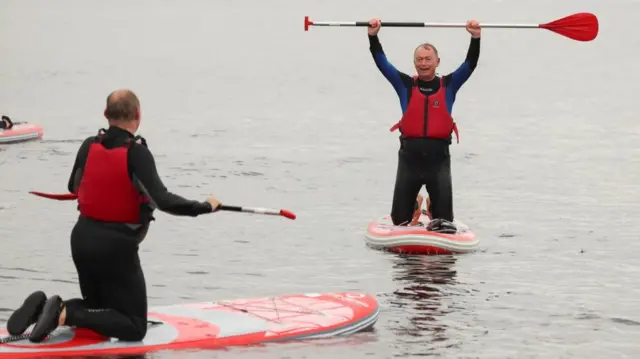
<point>240,103</point>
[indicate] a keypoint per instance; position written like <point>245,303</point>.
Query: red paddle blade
<point>581,26</point>
<point>59,197</point>
<point>287,214</point>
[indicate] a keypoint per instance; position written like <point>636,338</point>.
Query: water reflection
<point>426,284</point>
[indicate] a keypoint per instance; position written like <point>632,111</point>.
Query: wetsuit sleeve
<point>78,165</point>
<point>398,80</point>
<point>462,73</point>
<point>144,172</point>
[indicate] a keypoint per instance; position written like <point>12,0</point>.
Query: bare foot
<point>63,316</point>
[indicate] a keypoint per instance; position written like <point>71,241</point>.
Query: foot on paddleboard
<point>27,314</point>
<point>442,226</point>
<point>48,320</point>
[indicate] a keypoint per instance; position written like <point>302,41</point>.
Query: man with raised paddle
<point>426,100</point>
<point>117,187</point>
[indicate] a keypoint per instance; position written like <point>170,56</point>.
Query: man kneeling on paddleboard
<point>118,188</point>
<point>426,125</point>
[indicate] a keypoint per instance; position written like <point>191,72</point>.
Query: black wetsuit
<point>423,161</point>
<point>111,280</point>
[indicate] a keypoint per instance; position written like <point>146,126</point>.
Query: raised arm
<point>464,71</point>
<point>399,80</point>
<point>386,68</point>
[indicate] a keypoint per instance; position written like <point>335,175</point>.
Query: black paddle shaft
<point>393,24</point>
<point>230,208</point>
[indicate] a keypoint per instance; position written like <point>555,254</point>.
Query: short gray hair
<point>426,46</point>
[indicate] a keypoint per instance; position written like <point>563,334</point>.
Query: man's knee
<point>137,332</point>
<point>396,221</point>
<point>403,206</point>
<point>399,217</point>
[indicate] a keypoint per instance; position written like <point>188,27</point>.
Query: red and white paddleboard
<point>20,132</point>
<point>382,234</point>
<point>215,324</point>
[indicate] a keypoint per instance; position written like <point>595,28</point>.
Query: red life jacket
<point>106,193</point>
<point>427,116</point>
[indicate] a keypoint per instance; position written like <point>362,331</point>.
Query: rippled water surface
<point>239,102</point>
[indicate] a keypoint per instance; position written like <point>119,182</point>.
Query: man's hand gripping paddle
<point>273,212</point>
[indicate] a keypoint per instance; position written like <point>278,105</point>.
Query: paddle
<point>273,212</point>
<point>59,197</point>
<point>580,26</point>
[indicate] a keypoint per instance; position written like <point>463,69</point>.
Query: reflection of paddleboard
<point>382,234</point>
<point>20,132</point>
<point>216,324</point>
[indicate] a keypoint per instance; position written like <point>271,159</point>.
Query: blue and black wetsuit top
<point>403,83</point>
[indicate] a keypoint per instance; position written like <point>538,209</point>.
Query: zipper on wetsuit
<point>426,114</point>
